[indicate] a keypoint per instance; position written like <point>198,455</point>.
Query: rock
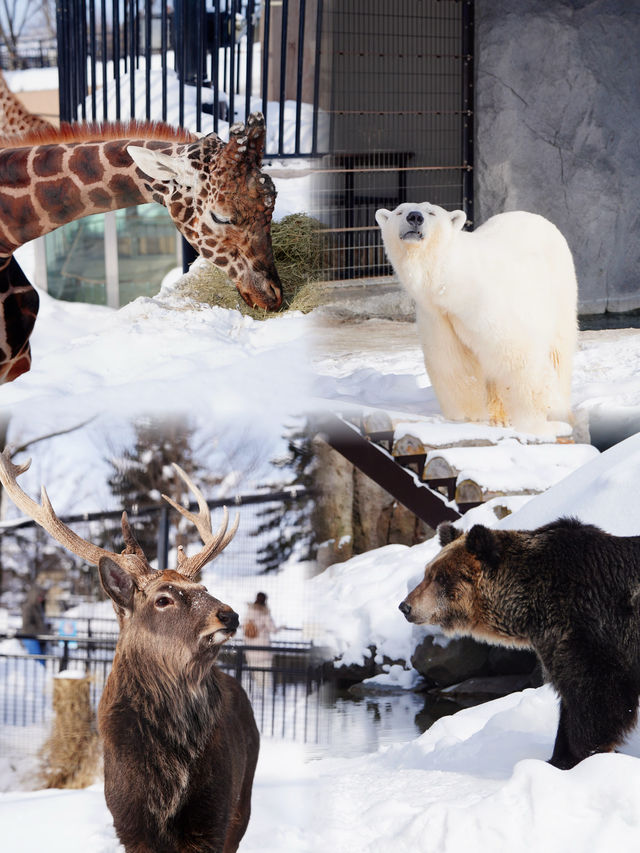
<point>557,128</point>
<point>460,659</point>
<point>486,688</point>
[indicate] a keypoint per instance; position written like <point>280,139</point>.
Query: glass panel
<point>75,261</point>
<point>146,249</point>
<point>146,253</point>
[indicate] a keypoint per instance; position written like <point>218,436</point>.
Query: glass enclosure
<point>77,270</point>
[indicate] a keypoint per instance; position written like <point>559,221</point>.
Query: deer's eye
<point>163,601</point>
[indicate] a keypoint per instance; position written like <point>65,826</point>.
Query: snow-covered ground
<point>476,781</point>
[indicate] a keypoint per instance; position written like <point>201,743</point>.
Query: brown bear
<point>568,590</point>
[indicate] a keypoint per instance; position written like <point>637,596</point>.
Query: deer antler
<point>214,543</point>
<point>132,559</point>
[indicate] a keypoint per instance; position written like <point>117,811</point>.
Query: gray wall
<point>558,131</point>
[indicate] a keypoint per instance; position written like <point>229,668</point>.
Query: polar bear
<point>496,312</point>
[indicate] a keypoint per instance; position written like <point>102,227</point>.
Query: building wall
<point>558,131</point>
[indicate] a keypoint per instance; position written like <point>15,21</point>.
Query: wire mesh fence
<point>400,120</point>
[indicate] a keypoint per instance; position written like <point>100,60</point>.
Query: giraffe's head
<point>222,203</point>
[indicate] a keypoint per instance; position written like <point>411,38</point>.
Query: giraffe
<point>214,191</point>
<point>15,118</point>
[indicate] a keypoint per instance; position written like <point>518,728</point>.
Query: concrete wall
<point>558,131</point>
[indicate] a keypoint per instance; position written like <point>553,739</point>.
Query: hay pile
<point>71,754</point>
<point>298,252</point>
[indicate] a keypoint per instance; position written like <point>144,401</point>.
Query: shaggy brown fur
<point>180,741</point>
<point>569,591</point>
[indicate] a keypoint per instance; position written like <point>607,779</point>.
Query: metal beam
<point>381,467</point>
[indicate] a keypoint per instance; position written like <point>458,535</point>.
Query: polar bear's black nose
<point>415,218</point>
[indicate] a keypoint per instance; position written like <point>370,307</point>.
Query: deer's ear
<point>118,584</point>
<point>163,167</point>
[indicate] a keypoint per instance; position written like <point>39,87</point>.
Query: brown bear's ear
<point>447,533</point>
<point>483,544</point>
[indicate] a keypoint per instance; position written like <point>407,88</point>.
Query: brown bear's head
<point>449,595</point>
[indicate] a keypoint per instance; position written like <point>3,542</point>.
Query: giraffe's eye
<point>220,220</point>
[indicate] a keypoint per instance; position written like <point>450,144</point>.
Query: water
<point>357,725</point>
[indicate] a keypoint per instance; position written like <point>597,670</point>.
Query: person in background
<point>33,621</point>
<point>258,627</point>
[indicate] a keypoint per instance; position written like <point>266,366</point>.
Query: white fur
<point>496,311</point>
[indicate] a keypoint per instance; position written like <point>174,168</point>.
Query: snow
<point>514,467</point>
<point>475,781</point>
<point>604,492</point>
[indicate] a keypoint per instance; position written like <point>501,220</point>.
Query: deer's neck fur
<point>172,714</point>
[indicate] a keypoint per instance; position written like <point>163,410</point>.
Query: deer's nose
<point>415,218</point>
<point>229,618</point>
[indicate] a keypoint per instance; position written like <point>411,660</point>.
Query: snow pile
<point>477,782</point>
<point>605,492</point>
<point>512,467</point>
<point>358,602</point>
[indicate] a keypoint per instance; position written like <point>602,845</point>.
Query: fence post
<point>239,662</point>
<point>64,660</point>
<point>163,538</point>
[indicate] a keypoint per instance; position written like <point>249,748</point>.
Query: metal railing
<point>284,685</point>
<point>196,65</point>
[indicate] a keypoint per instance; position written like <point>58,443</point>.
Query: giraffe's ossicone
<point>215,193</point>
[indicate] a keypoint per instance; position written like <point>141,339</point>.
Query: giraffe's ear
<point>163,167</point>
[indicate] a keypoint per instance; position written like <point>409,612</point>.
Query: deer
<point>179,738</point>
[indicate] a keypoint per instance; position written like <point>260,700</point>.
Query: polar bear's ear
<point>458,219</point>
<point>382,215</point>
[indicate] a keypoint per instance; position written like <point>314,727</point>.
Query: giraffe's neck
<point>45,186</point>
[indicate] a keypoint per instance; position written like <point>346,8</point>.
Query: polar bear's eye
<point>431,212</point>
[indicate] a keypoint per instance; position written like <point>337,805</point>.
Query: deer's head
<point>167,613</point>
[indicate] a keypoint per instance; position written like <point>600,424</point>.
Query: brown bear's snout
<point>406,609</point>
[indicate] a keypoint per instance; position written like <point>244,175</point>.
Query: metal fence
<point>40,53</point>
<point>285,687</point>
<point>23,543</point>
<point>401,124</point>
<point>196,65</point>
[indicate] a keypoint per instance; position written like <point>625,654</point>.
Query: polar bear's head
<point>416,238</point>
<point>417,223</point>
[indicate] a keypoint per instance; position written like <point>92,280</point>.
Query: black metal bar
<point>232,62</point>
<point>147,57</point>
<point>215,67</point>
<point>132,59</point>
<point>152,509</point>
<point>181,50</point>
<point>92,51</point>
<point>163,538</point>
<point>380,467</point>
<point>249,64</point>
<point>468,107</point>
<point>125,26</point>
<point>283,74</point>
<point>163,52</point>
<point>116,54</point>
<point>104,57</point>
<point>301,23</point>
<point>63,66</point>
<point>200,62</point>
<point>266,11</point>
